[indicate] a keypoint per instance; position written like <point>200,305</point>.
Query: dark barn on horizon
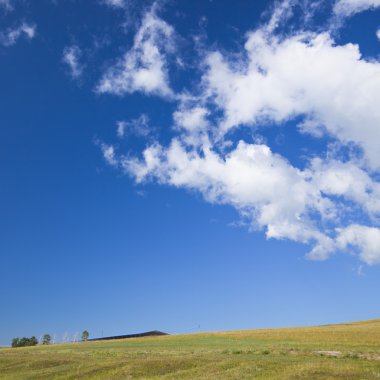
<point>140,335</point>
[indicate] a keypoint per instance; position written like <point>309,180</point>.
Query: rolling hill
<point>344,351</point>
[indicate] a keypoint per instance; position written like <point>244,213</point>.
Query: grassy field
<point>292,353</point>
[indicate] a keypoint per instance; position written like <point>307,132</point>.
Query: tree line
<point>46,339</point>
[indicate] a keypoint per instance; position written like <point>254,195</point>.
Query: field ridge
<point>347,351</point>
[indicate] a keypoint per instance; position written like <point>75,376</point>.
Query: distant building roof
<point>140,335</point>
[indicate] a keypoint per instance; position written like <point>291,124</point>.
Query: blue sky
<point>188,166</point>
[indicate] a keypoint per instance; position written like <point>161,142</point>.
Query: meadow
<point>345,351</point>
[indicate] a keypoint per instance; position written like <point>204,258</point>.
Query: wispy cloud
<point>71,57</point>
<point>6,4</point>
<point>347,8</point>
<point>12,35</point>
<point>144,67</point>
<point>116,3</point>
<point>109,154</point>
<point>138,127</point>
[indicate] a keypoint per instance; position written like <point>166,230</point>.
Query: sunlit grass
<point>258,354</point>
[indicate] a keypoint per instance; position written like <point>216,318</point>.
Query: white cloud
<point>347,8</point>
<point>139,126</point>
<point>191,119</point>
<point>109,154</point>
<point>332,203</point>
<point>349,181</point>
<point>263,186</point>
<point>378,34</point>
<point>366,240</point>
<point>116,3</point>
<point>282,11</point>
<point>71,57</point>
<point>144,67</point>
<point>11,36</point>
<point>306,74</point>
<point>269,192</point>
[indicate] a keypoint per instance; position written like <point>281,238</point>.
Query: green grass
<point>257,354</point>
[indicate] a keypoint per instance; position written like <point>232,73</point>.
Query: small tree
<point>85,335</point>
<point>15,342</point>
<point>46,339</point>
<point>33,341</point>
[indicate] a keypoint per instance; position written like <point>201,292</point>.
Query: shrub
<point>85,335</point>
<point>24,342</point>
<point>46,339</point>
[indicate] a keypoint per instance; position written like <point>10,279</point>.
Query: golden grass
<point>289,353</point>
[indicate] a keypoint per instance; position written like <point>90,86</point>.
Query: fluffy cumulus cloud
<point>348,181</point>
<point>191,119</point>
<point>332,203</point>
<point>144,67</point>
<point>263,186</point>
<point>288,203</point>
<point>346,8</point>
<point>365,240</point>
<point>305,74</point>
<point>71,57</point>
<point>12,35</point>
